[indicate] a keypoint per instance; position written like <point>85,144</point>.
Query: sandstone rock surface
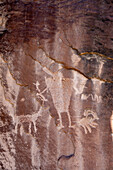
<point>56,84</point>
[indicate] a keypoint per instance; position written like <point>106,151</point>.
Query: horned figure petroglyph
<point>31,119</point>
<point>88,121</point>
<point>61,90</point>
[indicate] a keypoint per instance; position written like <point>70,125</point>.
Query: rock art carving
<point>94,97</point>
<point>40,93</point>
<point>61,90</point>
<point>100,68</point>
<point>88,121</point>
<point>31,119</point>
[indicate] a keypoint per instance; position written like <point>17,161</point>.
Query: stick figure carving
<point>39,93</point>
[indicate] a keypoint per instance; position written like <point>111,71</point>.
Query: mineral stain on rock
<point>65,157</point>
<point>56,78</point>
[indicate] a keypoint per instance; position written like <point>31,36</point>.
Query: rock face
<point>56,84</point>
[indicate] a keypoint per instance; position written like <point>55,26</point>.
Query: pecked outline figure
<point>61,91</point>
<point>88,121</point>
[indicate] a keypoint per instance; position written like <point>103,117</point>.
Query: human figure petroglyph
<point>61,90</point>
<point>40,93</point>
<point>88,121</point>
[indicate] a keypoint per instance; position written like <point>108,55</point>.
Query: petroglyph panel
<point>56,81</point>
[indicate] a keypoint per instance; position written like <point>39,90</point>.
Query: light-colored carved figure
<point>31,119</point>
<point>101,63</point>
<point>40,93</point>
<point>61,90</point>
<point>88,121</point>
<point>94,97</point>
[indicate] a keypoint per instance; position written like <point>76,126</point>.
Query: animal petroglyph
<point>31,119</point>
<point>94,97</point>
<point>88,121</point>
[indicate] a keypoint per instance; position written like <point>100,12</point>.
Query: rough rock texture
<point>56,84</point>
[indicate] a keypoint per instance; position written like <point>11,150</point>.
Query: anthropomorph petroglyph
<point>61,90</point>
<point>88,121</point>
<point>40,93</point>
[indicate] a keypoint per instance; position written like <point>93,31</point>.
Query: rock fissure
<point>72,68</point>
<point>83,53</point>
<point>19,84</point>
